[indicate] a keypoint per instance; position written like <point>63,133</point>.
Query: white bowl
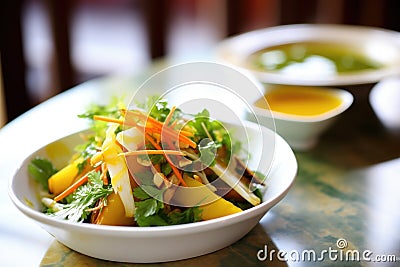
<point>380,45</point>
<point>301,132</point>
<point>385,102</point>
<point>164,243</point>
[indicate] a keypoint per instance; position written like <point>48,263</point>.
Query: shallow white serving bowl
<point>301,132</point>
<point>165,243</point>
<point>381,45</point>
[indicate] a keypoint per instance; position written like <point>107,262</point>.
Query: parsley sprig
<point>84,198</point>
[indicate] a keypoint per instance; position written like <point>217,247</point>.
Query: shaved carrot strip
<point>174,169</point>
<point>104,170</point>
<point>169,116</point>
<point>158,124</point>
<point>74,186</point>
<point>185,133</point>
<point>113,120</point>
<point>157,167</point>
<point>150,139</point>
<point>144,117</point>
<point>107,119</point>
<point>173,124</point>
<point>174,134</point>
<point>152,152</point>
<point>169,131</point>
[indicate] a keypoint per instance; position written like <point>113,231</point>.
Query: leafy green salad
<point>152,165</point>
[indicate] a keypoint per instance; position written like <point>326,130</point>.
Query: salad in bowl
<point>151,166</point>
<point>143,177</point>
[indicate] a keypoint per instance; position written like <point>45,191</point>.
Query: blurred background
<point>48,46</point>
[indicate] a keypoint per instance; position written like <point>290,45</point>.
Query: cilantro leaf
<point>200,123</point>
<point>153,191</point>
<point>154,220</point>
<point>148,207</point>
<point>206,129</point>
<point>190,215</point>
<point>41,170</point>
<point>158,108</point>
<point>139,193</point>
<point>208,151</point>
<point>166,169</point>
<point>151,211</point>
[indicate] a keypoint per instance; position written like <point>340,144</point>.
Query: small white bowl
<point>164,243</point>
<point>301,132</point>
<point>376,44</point>
<point>385,102</point>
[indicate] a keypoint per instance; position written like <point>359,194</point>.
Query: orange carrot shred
<point>169,116</point>
<point>153,152</point>
<point>172,133</point>
<point>104,170</point>
<point>174,169</point>
<point>155,127</point>
<point>75,185</point>
<point>107,119</point>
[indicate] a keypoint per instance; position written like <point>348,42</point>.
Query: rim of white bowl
<point>235,49</point>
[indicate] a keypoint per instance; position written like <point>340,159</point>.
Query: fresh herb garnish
<point>41,170</point>
<point>208,151</point>
<point>205,143</point>
<point>166,168</point>
<point>87,151</point>
<point>192,214</point>
<point>84,198</point>
<point>205,128</point>
<point>158,108</point>
<point>151,211</point>
<point>112,110</point>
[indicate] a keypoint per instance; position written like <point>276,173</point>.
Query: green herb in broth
<point>323,57</point>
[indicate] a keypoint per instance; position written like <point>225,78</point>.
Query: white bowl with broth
<point>300,114</point>
<point>315,54</point>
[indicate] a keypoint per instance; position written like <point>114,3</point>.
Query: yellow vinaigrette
<point>300,101</point>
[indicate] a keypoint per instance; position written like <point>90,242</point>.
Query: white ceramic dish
<point>378,44</point>
<point>385,101</point>
<point>302,132</point>
<point>166,243</point>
